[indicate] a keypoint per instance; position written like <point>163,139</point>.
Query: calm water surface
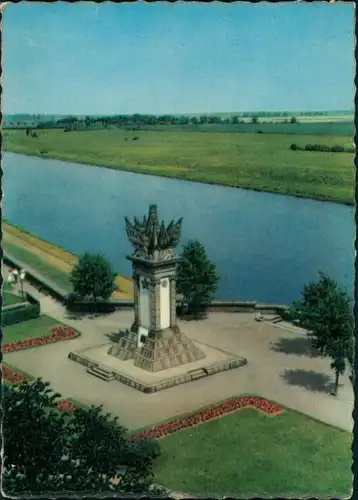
<point>266,246</point>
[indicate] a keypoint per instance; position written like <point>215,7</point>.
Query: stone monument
<point>154,340</point>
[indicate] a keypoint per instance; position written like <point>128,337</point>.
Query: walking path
<point>279,368</point>
<point>56,257</point>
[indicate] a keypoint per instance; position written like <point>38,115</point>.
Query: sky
<point>89,58</point>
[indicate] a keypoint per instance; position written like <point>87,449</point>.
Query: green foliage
<point>322,148</point>
<point>46,450</point>
<point>93,276</point>
<point>19,313</point>
<point>317,147</point>
<point>293,119</point>
<point>197,277</point>
<point>325,310</point>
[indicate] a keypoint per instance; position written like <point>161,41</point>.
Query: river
<point>266,246</point>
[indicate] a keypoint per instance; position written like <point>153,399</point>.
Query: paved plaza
<point>280,367</point>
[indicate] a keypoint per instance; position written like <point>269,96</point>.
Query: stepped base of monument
<point>162,350</point>
<point>126,372</point>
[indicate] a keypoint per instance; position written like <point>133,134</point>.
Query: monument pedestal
<point>155,341</point>
<point>162,355</point>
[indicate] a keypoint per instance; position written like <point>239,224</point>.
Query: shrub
<point>317,147</point>
<point>20,314</point>
<point>294,147</point>
<point>337,149</point>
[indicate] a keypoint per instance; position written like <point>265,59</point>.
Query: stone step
<point>101,373</point>
<point>198,373</point>
<point>276,319</point>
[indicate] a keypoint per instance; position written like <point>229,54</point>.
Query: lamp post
<point>22,279</point>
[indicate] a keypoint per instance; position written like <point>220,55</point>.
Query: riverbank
<point>49,259</point>
<point>261,162</point>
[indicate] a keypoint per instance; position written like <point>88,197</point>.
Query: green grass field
<point>9,299</point>
<point>59,277</point>
<point>36,327</point>
<point>262,162</point>
<point>250,454</point>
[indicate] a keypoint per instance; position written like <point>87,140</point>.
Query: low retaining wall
<point>215,306</point>
<point>114,304</point>
<point>17,313</point>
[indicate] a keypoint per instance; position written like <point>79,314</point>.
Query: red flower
<point>57,333</point>
<point>11,375</point>
<point>65,405</point>
<point>210,413</point>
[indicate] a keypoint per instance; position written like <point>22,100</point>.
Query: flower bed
<point>57,333</point>
<point>11,375</point>
<point>211,413</point>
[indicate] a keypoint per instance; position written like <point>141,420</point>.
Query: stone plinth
<point>126,347</point>
<point>155,341</point>
<point>167,349</point>
<point>127,373</point>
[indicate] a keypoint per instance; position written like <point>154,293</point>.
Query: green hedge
<point>21,312</point>
<point>322,148</point>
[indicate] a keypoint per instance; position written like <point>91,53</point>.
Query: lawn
<point>257,161</point>
<point>248,453</point>
<point>9,299</point>
<point>37,327</point>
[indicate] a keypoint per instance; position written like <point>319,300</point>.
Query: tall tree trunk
<point>335,390</point>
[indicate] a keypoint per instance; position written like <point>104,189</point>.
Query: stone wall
<point>111,305</point>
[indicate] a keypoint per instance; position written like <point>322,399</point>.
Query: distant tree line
<point>322,148</point>
<point>72,122</point>
<point>135,121</point>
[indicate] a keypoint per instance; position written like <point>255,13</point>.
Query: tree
<point>293,119</point>
<point>197,277</point>
<point>325,311</point>
<point>255,119</point>
<point>47,450</point>
<point>93,276</point>
<point>87,121</point>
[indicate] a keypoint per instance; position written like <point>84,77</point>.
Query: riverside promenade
<point>281,367</point>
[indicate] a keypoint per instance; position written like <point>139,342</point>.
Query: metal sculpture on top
<point>152,240</point>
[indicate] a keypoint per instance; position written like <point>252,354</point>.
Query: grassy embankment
<point>249,454</point>
<point>50,260</point>
<point>262,162</point>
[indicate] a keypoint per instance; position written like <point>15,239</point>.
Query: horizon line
<point>184,112</point>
